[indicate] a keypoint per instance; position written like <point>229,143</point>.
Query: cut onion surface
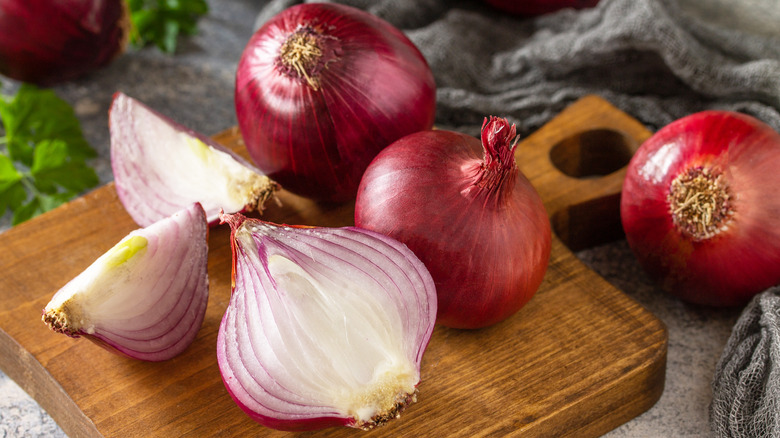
<point>161,167</point>
<point>325,326</point>
<point>146,297</point>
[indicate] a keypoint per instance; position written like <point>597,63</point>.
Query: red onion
<point>325,326</point>
<point>539,7</point>
<point>321,89</point>
<point>468,213</point>
<point>700,207</point>
<point>46,42</point>
<point>160,166</point>
<point>146,297</point>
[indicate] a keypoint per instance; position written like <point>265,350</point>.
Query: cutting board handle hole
<point>593,153</point>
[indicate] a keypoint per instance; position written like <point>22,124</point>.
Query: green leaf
<point>8,173</point>
<point>51,202</point>
<point>38,114</point>
<point>160,22</point>
<point>12,197</point>
<point>39,204</point>
<point>12,193</point>
<point>53,166</point>
<point>43,163</point>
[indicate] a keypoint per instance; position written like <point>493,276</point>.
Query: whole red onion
<point>539,7</point>
<point>465,209</point>
<point>321,89</point>
<point>700,207</point>
<point>46,42</point>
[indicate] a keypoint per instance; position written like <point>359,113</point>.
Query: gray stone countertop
<point>195,87</point>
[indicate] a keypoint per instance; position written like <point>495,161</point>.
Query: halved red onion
<point>325,326</point>
<point>146,297</point>
<point>161,166</point>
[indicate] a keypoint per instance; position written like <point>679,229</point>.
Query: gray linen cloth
<point>657,60</point>
<point>746,384</point>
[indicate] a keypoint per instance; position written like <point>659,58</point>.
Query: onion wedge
<point>161,167</point>
<point>146,297</point>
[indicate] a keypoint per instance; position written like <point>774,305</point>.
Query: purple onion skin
<point>49,42</point>
<point>486,249</point>
<point>374,87</point>
<point>302,425</point>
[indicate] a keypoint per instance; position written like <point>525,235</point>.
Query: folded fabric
<point>746,385</point>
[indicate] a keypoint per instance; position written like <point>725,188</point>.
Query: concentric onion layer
<point>325,326</point>
<point>312,119</point>
<point>161,167</point>
<point>725,261</point>
<point>146,297</point>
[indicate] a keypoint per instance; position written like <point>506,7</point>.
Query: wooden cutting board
<point>579,360</point>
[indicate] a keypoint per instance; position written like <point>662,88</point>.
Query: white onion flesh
<point>325,327</point>
<point>145,297</point>
<point>160,167</point>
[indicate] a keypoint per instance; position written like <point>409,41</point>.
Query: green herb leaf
<point>12,193</point>
<point>54,166</point>
<point>43,154</point>
<point>37,114</point>
<point>160,22</point>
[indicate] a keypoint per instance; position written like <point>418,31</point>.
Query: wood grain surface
<point>579,360</point>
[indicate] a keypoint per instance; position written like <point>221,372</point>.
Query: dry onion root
<point>146,297</point>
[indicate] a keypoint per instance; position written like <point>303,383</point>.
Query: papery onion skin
<point>539,7</point>
<point>267,353</point>
<point>146,297</point>
<point>151,188</point>
<point>740,255</point>
<point>483,234</point>
<point>316,132</point>
<point>49,42</point>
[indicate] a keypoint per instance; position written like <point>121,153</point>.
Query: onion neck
<point>496,177</point>
<point>305,54</point>
<point>700,203</point>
